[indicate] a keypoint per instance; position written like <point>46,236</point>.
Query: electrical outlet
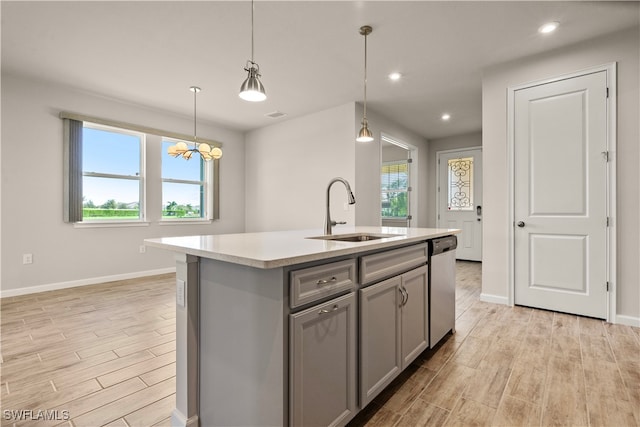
<point>143,249</point>
<point>180,292</point>
<point>27,258</point>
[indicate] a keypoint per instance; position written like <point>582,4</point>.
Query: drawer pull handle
<point>324,281</point>
<point>321,312</point>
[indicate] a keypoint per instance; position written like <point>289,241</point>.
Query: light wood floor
<point>515,366</point>
<point>106,354</point>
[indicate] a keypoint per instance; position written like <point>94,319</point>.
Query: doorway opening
<point>459,198</point>
<point>398,183</point>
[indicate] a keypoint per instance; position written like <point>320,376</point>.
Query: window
<point>460,184</point>
<point>184,186</point>
<point>105,179</point>
<point>394,189</point>
<point>112,174</point>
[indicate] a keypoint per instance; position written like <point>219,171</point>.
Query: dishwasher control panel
<point>444,244</point>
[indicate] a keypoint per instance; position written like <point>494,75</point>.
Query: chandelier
<point>205,151</point>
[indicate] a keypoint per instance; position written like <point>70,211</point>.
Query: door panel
<point>323,363</point>
<point>380,329</point>
<point>560,195</point>
<point>460,199</point>
<point>415,315</point>
<point>568,273</point>
<point>558,155</point>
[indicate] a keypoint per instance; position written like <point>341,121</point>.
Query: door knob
<point>520,224</point>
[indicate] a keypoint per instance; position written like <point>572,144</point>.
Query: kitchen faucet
<point>352,200</point>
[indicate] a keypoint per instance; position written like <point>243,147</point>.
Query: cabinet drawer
<point>315,283</point>
<point>389,263</point>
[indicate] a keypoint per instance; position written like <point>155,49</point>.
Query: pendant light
<point>365,134</point>
<point>252,88</point>
<point>205,151</point>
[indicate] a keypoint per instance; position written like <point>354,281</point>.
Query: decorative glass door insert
<point>460,185</point>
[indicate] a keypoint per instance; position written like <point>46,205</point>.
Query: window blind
<point>72,170</point>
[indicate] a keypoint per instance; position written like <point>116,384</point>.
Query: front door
<point>560,190</point>
<point>460,199</point>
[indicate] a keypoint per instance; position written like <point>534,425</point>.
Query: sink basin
<point>358,237</point>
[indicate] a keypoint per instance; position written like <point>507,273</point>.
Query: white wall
<point>466,140</point>
<point>32,180</point>
<point>289,165</point>
<point>622,47</point>
<point>368,157</point>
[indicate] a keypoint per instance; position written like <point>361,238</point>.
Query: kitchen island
<point>280,328</point>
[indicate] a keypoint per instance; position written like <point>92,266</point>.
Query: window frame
<point>141,178</point>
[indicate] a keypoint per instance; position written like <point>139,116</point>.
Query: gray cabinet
<point>380,337</point>
<point>322,362</point>
<point>415,315</point>
<point>394,329</point>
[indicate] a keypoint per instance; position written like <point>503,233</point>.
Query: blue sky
<point>116,153</point>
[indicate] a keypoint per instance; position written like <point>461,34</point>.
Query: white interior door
<point>460,199</point>
<point>560,190</point>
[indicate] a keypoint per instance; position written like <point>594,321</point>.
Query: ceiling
<point>311,54</point>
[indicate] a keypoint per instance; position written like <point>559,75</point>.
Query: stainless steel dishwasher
<point>442,288</point>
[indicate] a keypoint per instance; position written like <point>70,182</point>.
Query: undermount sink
<point>359,237</point>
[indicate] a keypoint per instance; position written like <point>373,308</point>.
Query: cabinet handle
<point>325,281</point>
<point>323,311</point>
<point>405,295</point>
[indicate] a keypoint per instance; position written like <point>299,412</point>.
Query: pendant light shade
<point>252,88</point>
<point>205,151</point>
<point>365,134</point>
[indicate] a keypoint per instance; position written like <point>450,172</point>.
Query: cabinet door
<point>323,364</point>
<point>415,315</point>
<point>380,324</point>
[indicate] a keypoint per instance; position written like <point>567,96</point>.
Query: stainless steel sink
<point>358,237</point>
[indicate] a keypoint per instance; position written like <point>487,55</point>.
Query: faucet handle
<point>338,222</point>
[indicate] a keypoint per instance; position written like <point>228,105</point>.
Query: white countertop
<point>281,248</point>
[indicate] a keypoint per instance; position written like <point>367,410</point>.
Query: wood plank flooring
<point>90,356</point>
<point>104,355</point>
<point>516,366</point>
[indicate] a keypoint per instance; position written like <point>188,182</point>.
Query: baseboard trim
<point>495,299</point>
<point>179,420</point>
<point>83,282</point>
<point>628,320</point>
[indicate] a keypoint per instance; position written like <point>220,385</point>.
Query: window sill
<point>184,221</point>
<point>111,224</point>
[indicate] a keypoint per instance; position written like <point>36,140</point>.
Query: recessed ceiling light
<point>549,27</point>
<point>395,76</point>
<point>446,116</point>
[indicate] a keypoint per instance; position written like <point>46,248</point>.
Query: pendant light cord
<point>365,76</point>
<point>195,91</point>
<point>252,8</point>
